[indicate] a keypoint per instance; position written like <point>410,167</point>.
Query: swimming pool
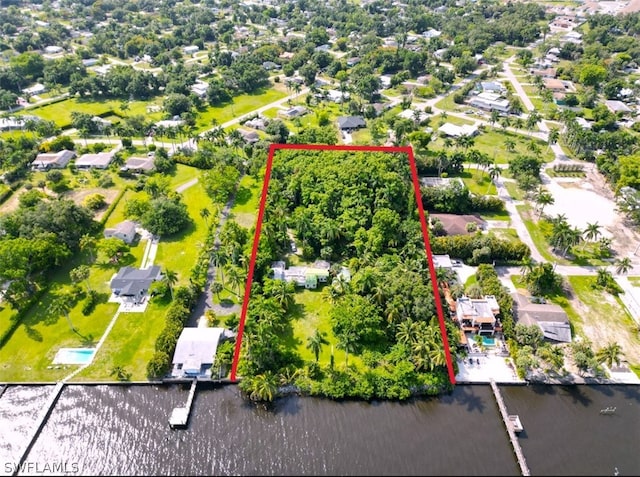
<point>488,341</point>
<point>74,356</point>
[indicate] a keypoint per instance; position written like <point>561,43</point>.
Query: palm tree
<point>216,287</point>
<point>494,173</point>
<point>510,144</point>
<point>262,387</point>
<point>591,232</point>
<point>407,331</point>
<point>205,213</point>
<point>170,278</point>
<point>81,273</point>
<point>526,267</point>
<point>315,343</point>
<point>623,265</point>
<point>62,306</point>
<point>612,353</point>
<point>543,198</point>
<point>553,136</point>
<point>88,243</point>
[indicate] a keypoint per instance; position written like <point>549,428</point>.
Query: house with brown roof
<point>455,224</point>
<point>551,318</point>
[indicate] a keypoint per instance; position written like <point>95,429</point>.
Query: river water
<point>123,430</point>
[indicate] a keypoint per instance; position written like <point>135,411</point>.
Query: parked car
<point>293,247</point>
<point>456,263</point>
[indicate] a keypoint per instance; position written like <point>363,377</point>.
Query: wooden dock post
<point>512,435</point>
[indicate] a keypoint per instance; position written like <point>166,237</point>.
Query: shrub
<point>158,366</point>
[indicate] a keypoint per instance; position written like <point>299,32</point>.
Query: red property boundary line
<point>425,234</point>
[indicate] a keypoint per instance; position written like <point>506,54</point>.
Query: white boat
<point>608,410</point>
<point>516,425</point>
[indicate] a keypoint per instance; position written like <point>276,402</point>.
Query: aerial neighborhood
<point>136,244</point>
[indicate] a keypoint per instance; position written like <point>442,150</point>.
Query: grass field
<point>245,207</point>
<point>478,182</point>
<point>60,112</point>
<point>312,313</point>
<point>130,344</point>
<point>28,354</point>
<point>241,104</point>
<point>179,252</point>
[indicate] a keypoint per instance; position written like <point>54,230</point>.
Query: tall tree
<point>315,343</point>
<point>62,306</point>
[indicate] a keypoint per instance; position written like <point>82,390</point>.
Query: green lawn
<point>604,312</point>
<point>506,234</point>
<point>478,182</point>
<point>241,104</point>
<point>183,174</point>
<point>537,235</point>
<point>455,120</point>
<point>362,137</point>
<point>130,344</point>
<point>245,207</point>
<point>311,314</point>
<point>29,352</point>
<point>179,252</point>
<point>60,112</point>
<point>492,143</point>
<point>514,190</point>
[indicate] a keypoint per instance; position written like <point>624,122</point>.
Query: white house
<point>125,231</point>
<point>191,49</point>
<point>454,130</point>
<point>35,89</point>
<point>58,160</point>
<point>490,102</point>
<point>196,350</point>
<point>52,50</point>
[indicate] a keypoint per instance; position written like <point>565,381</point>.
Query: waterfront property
<point>196,350</point>
<point>551,318</point>
<point>478,315</point>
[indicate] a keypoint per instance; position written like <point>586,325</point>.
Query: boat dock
<point>180,415</point>
<point>522,462</point>
<point>40,421</point>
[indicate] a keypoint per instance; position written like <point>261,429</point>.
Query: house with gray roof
<point>49,160</point>
<point>349,123</point>
<point>551,318</point>
<point>125,231</point>
<point>133,284</point>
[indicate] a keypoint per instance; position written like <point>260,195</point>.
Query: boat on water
<point>608,410</point>
<point>516,425</point>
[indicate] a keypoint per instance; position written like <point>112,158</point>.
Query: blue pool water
<point>488,341</point>
<point>74,356</point>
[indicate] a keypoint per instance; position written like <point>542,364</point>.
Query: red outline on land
<point>425,234</point>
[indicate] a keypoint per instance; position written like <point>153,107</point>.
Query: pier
<point>39,424</point>
<point>510,429</point>
<point>180,415</point>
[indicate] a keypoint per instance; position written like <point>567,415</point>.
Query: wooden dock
<point>180,415</point>
<point>40,422</point>
<point>522,462</point>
